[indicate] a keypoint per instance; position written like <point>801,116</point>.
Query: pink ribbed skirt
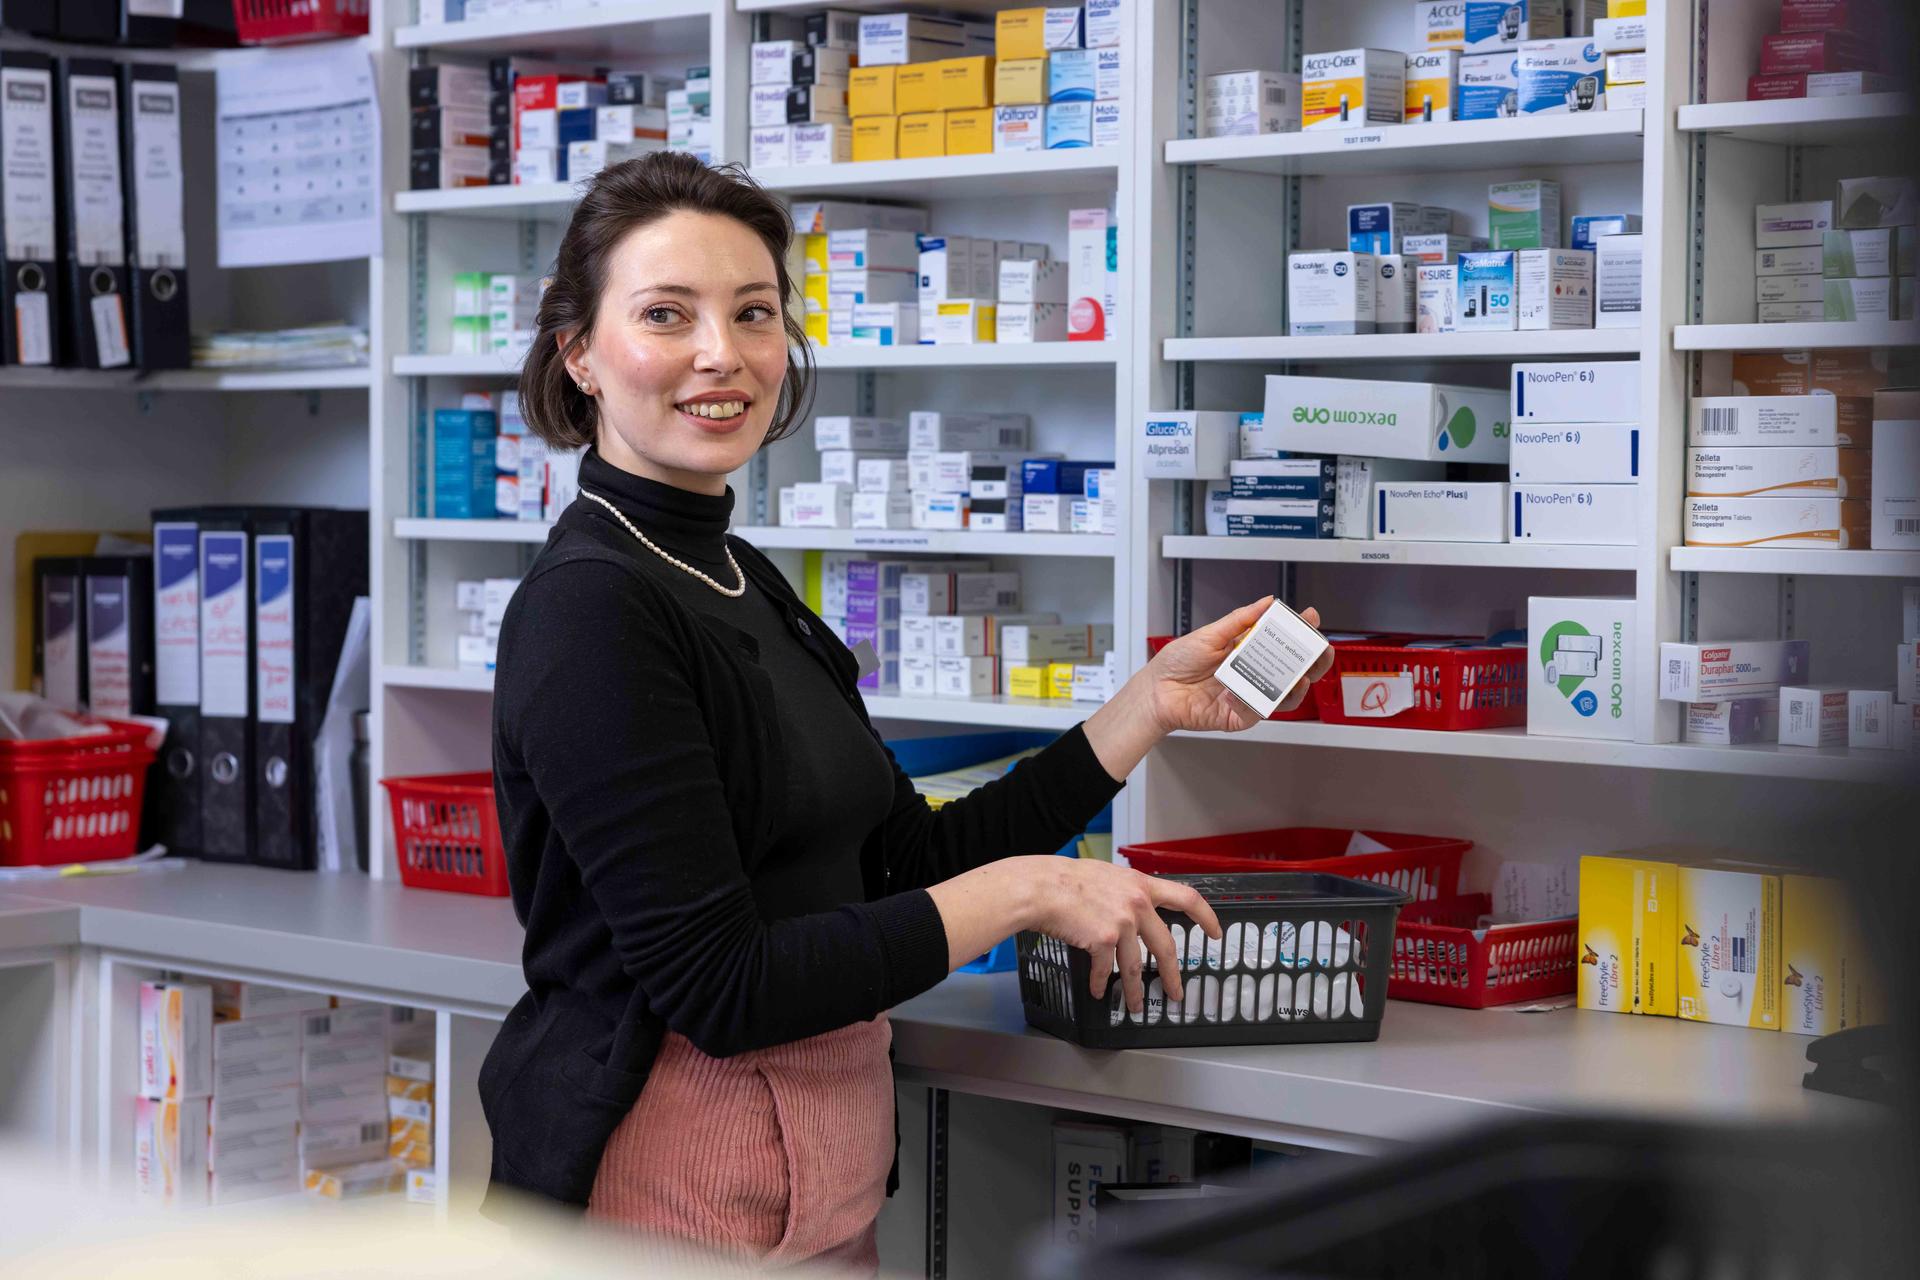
<point>771,1158</point>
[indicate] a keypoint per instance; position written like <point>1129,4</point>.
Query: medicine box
<point>1188,444</point>
<point>1730,668</point>
<point>1282,478</point>
<point>1280,517</point>
<point>238,1000</point>
<point>1779,420</point>
<point>256,1053</point>
<point>1555,288</point>
<point>1354,479</point>
<point>1780,471</point>
<point>916,88</point>
<point>1439,24</point>
<point>176,1040</point>
<point>1828,978</point>
<point>1330,293</point>
<point>1032,32</point>
<point>1027,280</point>
<point>1030,322</point>
<point>939,431</point>
<point>885,324</point>
<point>1736,722</point>
<point>1504,24</point>
<point>1102,26</point>
<point>1579,672</point>
<point>876,435</point>
<point>1430,79</point>
<point>1587,228</point>
<point>1870,719</point>
<point>1488,87</point>
<point>1577,391</point>
<point>963,592</point>
<point>1421,421</point>
<point>1839,524</point>
<point>1436,298</point>
<point>965,677</point>
<point>1808,291</point>
<point>1619,34</point>
<point>1019,128</point>
<point>821,506</point>
<point>1862,203</point>
<point>1069,124</point>
<point>1585,514</point>
<point>1274,656</point>
<point>894,38</point>
<point>1438,247</point>
<point>1087,249</point>
<point>1558,77</point>
<point>1019,81</point>
<point>965,84</point>
<point>1628,935</point>
<point>1858,300</point>
<point>1895,518</point>
<point>1857,253</point>
<point>1377,228</point>
<point>1728,967</point>
<point>170,1151</point>
<point>923,135</point>
<point>1782,226</point>
<point>1813,715</point>
<point>1486,291</point>
<point>1248,103</point>
<point>1523,214</point>
<point>1352,87</point>
<point>1441,512</point>
<point>1617,282</point>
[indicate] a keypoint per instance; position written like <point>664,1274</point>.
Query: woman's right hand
<point>1110,911</point>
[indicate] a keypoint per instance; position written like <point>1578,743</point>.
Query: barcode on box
<point>1907,524</point>
<point>1674,668</point>
<point>373,1131</point>
<point>1276,97</point>
<point>320,1026</point>
<point>1719,422</point>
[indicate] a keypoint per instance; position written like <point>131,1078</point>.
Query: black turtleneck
<point>703,832</point>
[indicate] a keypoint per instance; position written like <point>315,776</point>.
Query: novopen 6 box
<point>1595,453</point>
<point>1729,952</point>
<point>1579,674</point>
<point>1577,391</point>
<point>1627,935</point>
<point>1584,514</point>
<point>1422,421</point>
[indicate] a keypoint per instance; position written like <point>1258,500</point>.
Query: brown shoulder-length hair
<point>632,194</point>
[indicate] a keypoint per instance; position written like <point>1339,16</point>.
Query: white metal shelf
<point>37,377</point>
<point>185,58</point>
<point>986,355</point>
<point>999,712</point>
<point>1606,137</point>
<point>1802,562</point>
<point>457,679</point>
<point>1801,122</point>
<point>414,528</point>
<point>634,28</point>
<point>445,366</point>
<point>544,200</point>
<point>1472,555</point>
<point>1763,760</point>
<point>1544,345</point>
<point>945,542</point>
<point>992,176</point>
<point>1796,337</point>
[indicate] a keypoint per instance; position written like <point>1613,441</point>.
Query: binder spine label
<point>26,146</point>
<point>223,624</point>
<point>176,614</point>
<point>60,635</point>
<point>109,649</point>
<point>99,233</point>
<point>273,629</point>
<point>160,233</point>
<point>156,8</point>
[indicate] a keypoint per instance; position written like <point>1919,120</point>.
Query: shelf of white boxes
<point>1467,555</point>
<point>1801,122</point>
<point>1406,347</point>
<point>994,176</point>
<point>1439,147</point>
<point>633,28</point>
<point>922,541</point>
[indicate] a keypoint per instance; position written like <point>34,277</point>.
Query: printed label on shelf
<point>1363,139</point>
<point>1379,555</point>
<point>900,541</point>
<point>1376,696</point>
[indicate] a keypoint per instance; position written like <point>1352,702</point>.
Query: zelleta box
<point>1586,514</point>
<point>1730,668</point>
<point>1628,935</point>
<point>1729,955</point>
<point>1839,524</point>
<point>1728,421</point>
<point>1579,677</point>
<point>1782,472</point>
<point>1274,656</point>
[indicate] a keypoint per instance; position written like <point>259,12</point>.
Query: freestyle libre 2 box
<point>1728,968</point>
<point>1828,979</point>
<point>1628,935</point>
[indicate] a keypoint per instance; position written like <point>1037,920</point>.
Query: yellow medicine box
<point>916,87</point>
<point>1626,8</point>
<point>813,248</point>
<point>1020,33</point>
<point>814,290</point>
<point>870,92</point>
<point>966,84</point>
<point>970,133</point>
<point>923,134</point>
<point>816,324</point>
<point>1627,935</point>
<point>1060,679</point>
<point>1728,968</point>
<point>1027,682</point>
<point>874,138</point>
<point>1020,82</point>
<point>1828,979</point>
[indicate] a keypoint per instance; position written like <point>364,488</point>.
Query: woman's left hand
<point>1177,691</point>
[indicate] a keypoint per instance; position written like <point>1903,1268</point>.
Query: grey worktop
<point>1432,1068</point>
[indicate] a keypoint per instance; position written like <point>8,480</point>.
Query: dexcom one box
<point>1728,968</point>
<point>1579,673</point>
<point>1422,421</point>
<point>1627,935</point>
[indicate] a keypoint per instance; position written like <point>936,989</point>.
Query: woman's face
<point>688,350</point>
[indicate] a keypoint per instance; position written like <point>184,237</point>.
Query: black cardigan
<point>633,741</point>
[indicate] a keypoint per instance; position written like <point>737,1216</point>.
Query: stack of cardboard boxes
<point>1724,942</point>
<point>1849,258</point>
<point>1574,457</point>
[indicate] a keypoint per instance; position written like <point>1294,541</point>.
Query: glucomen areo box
<point>1274,656</point>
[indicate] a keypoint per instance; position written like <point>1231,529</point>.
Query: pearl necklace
<point>733,593</point>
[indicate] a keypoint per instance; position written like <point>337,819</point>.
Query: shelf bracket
<point>529,246</point>
<point>937,1123</point>
<point>1689,607</point>
<point>1787,618</point>
<point>143,401</point>
<point>417,602</point>
<point>313,404</point>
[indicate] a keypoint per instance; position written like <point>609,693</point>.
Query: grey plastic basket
<point>1303,959</point>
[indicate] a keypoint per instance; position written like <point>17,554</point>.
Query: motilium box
<point>1486,291</point>
<point>170,1151</point>
<point>1488,87</point>
<point>1828,980</point>
<point>1813,715</point>
<point>1730,669</point>
<point>176,1040</point>
<point>1628,935</point>
<point>1556,288</point>
<point>1729,948</point>
<point>1330,293</point>
<point>1735,722</point>
<point>1617,287</point>
<point>1188,444</point>
<point>1577,391</point>
<point>1895,519</point>
<point>1579,675</point>
<point>1840,524</point>
<point>1562,76</point>
<point>1422,421</point>
<point>1430,78</point>
<point>1586,514</point>
<point>1781,472</point>
<point>1352,87</point>
<point>1441,512</point>
<point>1273,657</point>
<point>1524,214</point>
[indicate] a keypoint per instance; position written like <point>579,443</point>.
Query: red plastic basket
<point>447,833</point>
<point>287,21</point>
<point>1423,867</point>
<point>1480,688</point>
<point>1438,959</point>
<point>73,799</point>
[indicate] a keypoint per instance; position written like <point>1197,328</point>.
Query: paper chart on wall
<point>299,147</point>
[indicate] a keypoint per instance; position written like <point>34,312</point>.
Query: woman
<point>725,879</point>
